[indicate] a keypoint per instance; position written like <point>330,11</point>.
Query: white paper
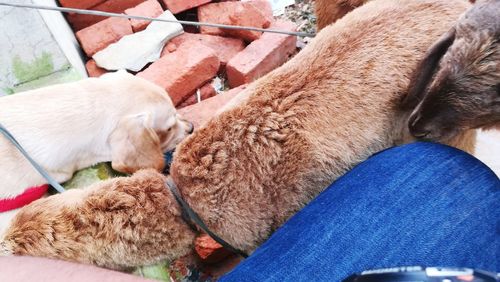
<point>136,50</point>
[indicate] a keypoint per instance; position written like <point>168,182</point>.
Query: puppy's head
<point>152,128</point>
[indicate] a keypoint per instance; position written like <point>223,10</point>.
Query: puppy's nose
<point>190,127</point>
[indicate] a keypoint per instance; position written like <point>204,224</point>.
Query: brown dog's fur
<point>247,171</point>
<point>329,11</point>
<point>82,225</point>
<point>465,92</point>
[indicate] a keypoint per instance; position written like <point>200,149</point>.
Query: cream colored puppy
<point>117,117</point>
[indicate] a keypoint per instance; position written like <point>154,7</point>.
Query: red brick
<point>93,70</point>
<point>80,4</point>
<point>247,15</point>
<point>202,112</point>
<point>206,91</point>
<point>209,250</point>
<point>180,73</point>
<point>224,47</point>
<point>264,6</point>
<point>177,6</point>
<point>79,22</point>
<point>262,55</point>
<point>149,8</point>
<point>169,48</point>
<point>221,12</point>
<point>98,36</point>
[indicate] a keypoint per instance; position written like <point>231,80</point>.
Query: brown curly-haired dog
<point>246,172</point>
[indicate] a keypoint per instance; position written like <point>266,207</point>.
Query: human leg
<point>419,204</point>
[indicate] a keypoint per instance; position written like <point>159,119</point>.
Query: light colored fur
<point>67,127</point>
<point>247,171</point>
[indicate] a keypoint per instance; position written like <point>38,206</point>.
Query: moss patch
<point>27,71</point>
<point>8,90</point>
<point>89,176</point>
<point>156,272</point>
<point>64,76</point>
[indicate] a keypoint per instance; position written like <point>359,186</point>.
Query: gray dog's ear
<point>422,76</point>
<point>135,145</point>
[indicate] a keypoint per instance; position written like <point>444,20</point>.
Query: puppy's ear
<point>135,145</point>
<point>422,75</point>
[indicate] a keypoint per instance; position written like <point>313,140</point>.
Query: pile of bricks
<point>189,62</point>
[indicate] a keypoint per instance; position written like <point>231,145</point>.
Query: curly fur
<point>100,225</point>
<point>247,171</point>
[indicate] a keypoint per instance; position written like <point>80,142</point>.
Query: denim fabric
<point>420,204</point>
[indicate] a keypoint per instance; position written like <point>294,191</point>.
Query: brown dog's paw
<point>120,223</point>
<point>44,228</point>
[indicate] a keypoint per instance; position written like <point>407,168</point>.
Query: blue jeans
<point>420,204</point>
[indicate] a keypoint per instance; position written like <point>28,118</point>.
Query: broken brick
<point>80,4</point>
<point>209,250</point>
<point>93,70</point>
<point>221,13</point>
<point>79,21</point>
<point>149,8</point>
<point>177,6</point>
<point>224,47</point>
<point>262,55</point>
<point>264,6</point>
<point>98,36</point>
<point>206,91</point>
<point>247,15</point>
<point>182,72</point>
<point>201,113</point>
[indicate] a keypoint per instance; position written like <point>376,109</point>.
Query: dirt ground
<point>302,13</point>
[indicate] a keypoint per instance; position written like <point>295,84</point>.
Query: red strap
<point>29,195</point>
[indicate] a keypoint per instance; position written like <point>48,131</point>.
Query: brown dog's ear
<point>135,145</point>
<point>425,70</point>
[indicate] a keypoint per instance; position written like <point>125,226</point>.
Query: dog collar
<point>193,219</point>
<point>29,195</point>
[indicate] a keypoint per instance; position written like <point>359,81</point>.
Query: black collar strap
<point>192,219</point>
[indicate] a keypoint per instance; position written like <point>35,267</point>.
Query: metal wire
<point>39,168</point>
<point>106,14</point>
